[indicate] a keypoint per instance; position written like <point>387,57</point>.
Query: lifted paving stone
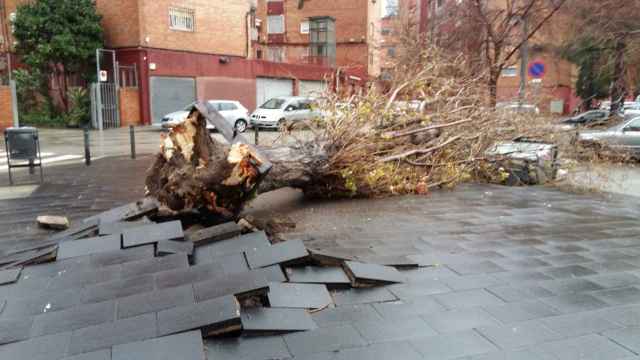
<point>363,275</point>
<point>82,247</point>
<point>215,233</point>
<point>152,233</point>
<point>318,275</point>
<point>283,253</point>
<point>304,296</point>
<point>155,301</point>
<point>9,276</point>
<point>214,317</point>
<point>242,284</point>
<point>274,320</point>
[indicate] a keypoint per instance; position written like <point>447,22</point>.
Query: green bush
<point>80,108</point>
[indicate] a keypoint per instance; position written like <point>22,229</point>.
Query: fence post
<point>87,150</point>
<point>256,133</point>
<point>14,103</point>
<point>132,137</point>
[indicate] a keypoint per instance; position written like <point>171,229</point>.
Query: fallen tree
<point>371,145</point>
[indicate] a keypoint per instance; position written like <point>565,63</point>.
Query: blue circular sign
<point>537,69</point>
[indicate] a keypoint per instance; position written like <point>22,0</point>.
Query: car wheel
<point>241,126</point>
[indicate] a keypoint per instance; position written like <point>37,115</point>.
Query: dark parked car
<point>586,118</point>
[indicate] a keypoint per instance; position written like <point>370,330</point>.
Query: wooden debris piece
<point>53,222</point>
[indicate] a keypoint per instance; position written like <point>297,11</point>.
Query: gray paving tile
<point>154,265</point>
<point>104,354</point>
<point>418,306</point>
<point>588,347</point>
<point>287,252</point>
<point>9,276</point>
<point>566,286</point>
<point>418,289</point>
<point>580,324</point>
<point>38,304</point>
<point>521,311</point>
<point>215,233</point>
<point>624,315</point>
<point>394,329</point>
<point>117,288</point>
<point>452,346</point>
<point>120,226</point>
<point>362,274</point>
<point>514,293</point>
<point>317,275</point>
<point>185,346</point>
<point>292,295</point>
<point>113,333</point>
<point>570,271</point>
<point>610,266</point>
<point>238,244</point>
<point>477,267</point>
<point>467,298</point>
<point>192,274</point>
<point>122,256</point>
<point>520,277</point>
<point>272,273</point>
<point>155,301</point>
<point>152,233</point>
<point>471,282</point>
<point>230,263</point>
<point>82,247</point>
<point>526,354</point>
<point>74,318</point>
<point>76,278</point>
<point>170,247</point>
<point>459,320</point>
<point>529,263</point>
<point>248,283</point>
<point>518,335</point>
<point>615,280</point>
<point>628,337</point>
<point>345,314</point>
<point>570,303</point>
<point>12,330</point>
<point>215,316</point>
<point>247,348</point>
<point>362,296</point>
<point>619,296</point>
<point>274,320</point>
<point>566,259</point>
<point>380,351</point>
<point>323,340</point>
<point>51,347</point>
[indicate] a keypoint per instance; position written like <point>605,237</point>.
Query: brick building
<point>178,51</point>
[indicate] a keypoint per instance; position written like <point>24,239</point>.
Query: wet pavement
<point>506,273</point>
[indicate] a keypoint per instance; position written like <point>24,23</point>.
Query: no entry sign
<point>537,69</point>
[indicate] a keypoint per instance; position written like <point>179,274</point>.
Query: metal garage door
<point>267,88</point>
<point>312,88</point>
<point>169,94</point>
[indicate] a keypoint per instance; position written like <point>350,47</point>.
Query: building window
<point>510,71</point>
<point>391,51</point>
<point>390,8</point>
<point>322,38</point>
<point>304,27</point>
<point>182,19</point>
<point>275,24</point>
<point>275,54</point>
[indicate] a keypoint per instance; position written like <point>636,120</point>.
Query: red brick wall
<point>226,88</point>
<point>120,21</point>
<point>129,107</point>
<point>6,109</point>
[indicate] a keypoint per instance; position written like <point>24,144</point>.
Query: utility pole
<point>524,59</point>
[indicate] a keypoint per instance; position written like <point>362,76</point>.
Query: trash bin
<point>23,150</point>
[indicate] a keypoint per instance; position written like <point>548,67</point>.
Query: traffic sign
<point>537,69</point>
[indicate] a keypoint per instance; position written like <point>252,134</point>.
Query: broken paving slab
<point>10,275</point>
<point>126,212</point>
<point>83,229</point>
<point>328,258</point>
<point>152,233</point>
<point>120,226</point>
<point>302,296</point>
<point>331,276</point>
<point>240,244</point>
<point>185,346</point>
<point>215,317</point>
<point>241,285</point>
<point>215,233</point>
<point>264,320</point>
<point>288,252</point>
<point>169,247</point>
<point>155,301</point>
<point>81,247</point>
<point>365,275</point>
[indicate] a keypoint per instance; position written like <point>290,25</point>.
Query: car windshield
<point>273,104</point>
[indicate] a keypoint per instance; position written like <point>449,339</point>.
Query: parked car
<point>233,111</point>
<point>286,109</point>
<point>584,119</point>
<point>624,137</point>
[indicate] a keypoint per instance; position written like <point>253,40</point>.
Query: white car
<point>275,112</point>
<point>233,111</point>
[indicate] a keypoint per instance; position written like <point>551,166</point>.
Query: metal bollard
<point>256,133</point>
<point>87,150</point>
<point>132,137</point>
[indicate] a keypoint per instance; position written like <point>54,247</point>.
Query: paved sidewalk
<point>512,273</point>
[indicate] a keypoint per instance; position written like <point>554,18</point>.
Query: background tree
<point>594,69</point>
<point>490,33</point>
<point>57,39</point>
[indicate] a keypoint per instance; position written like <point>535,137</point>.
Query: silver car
<point>625,137</point>
<point>236,114</point>
<point>285,109</point>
